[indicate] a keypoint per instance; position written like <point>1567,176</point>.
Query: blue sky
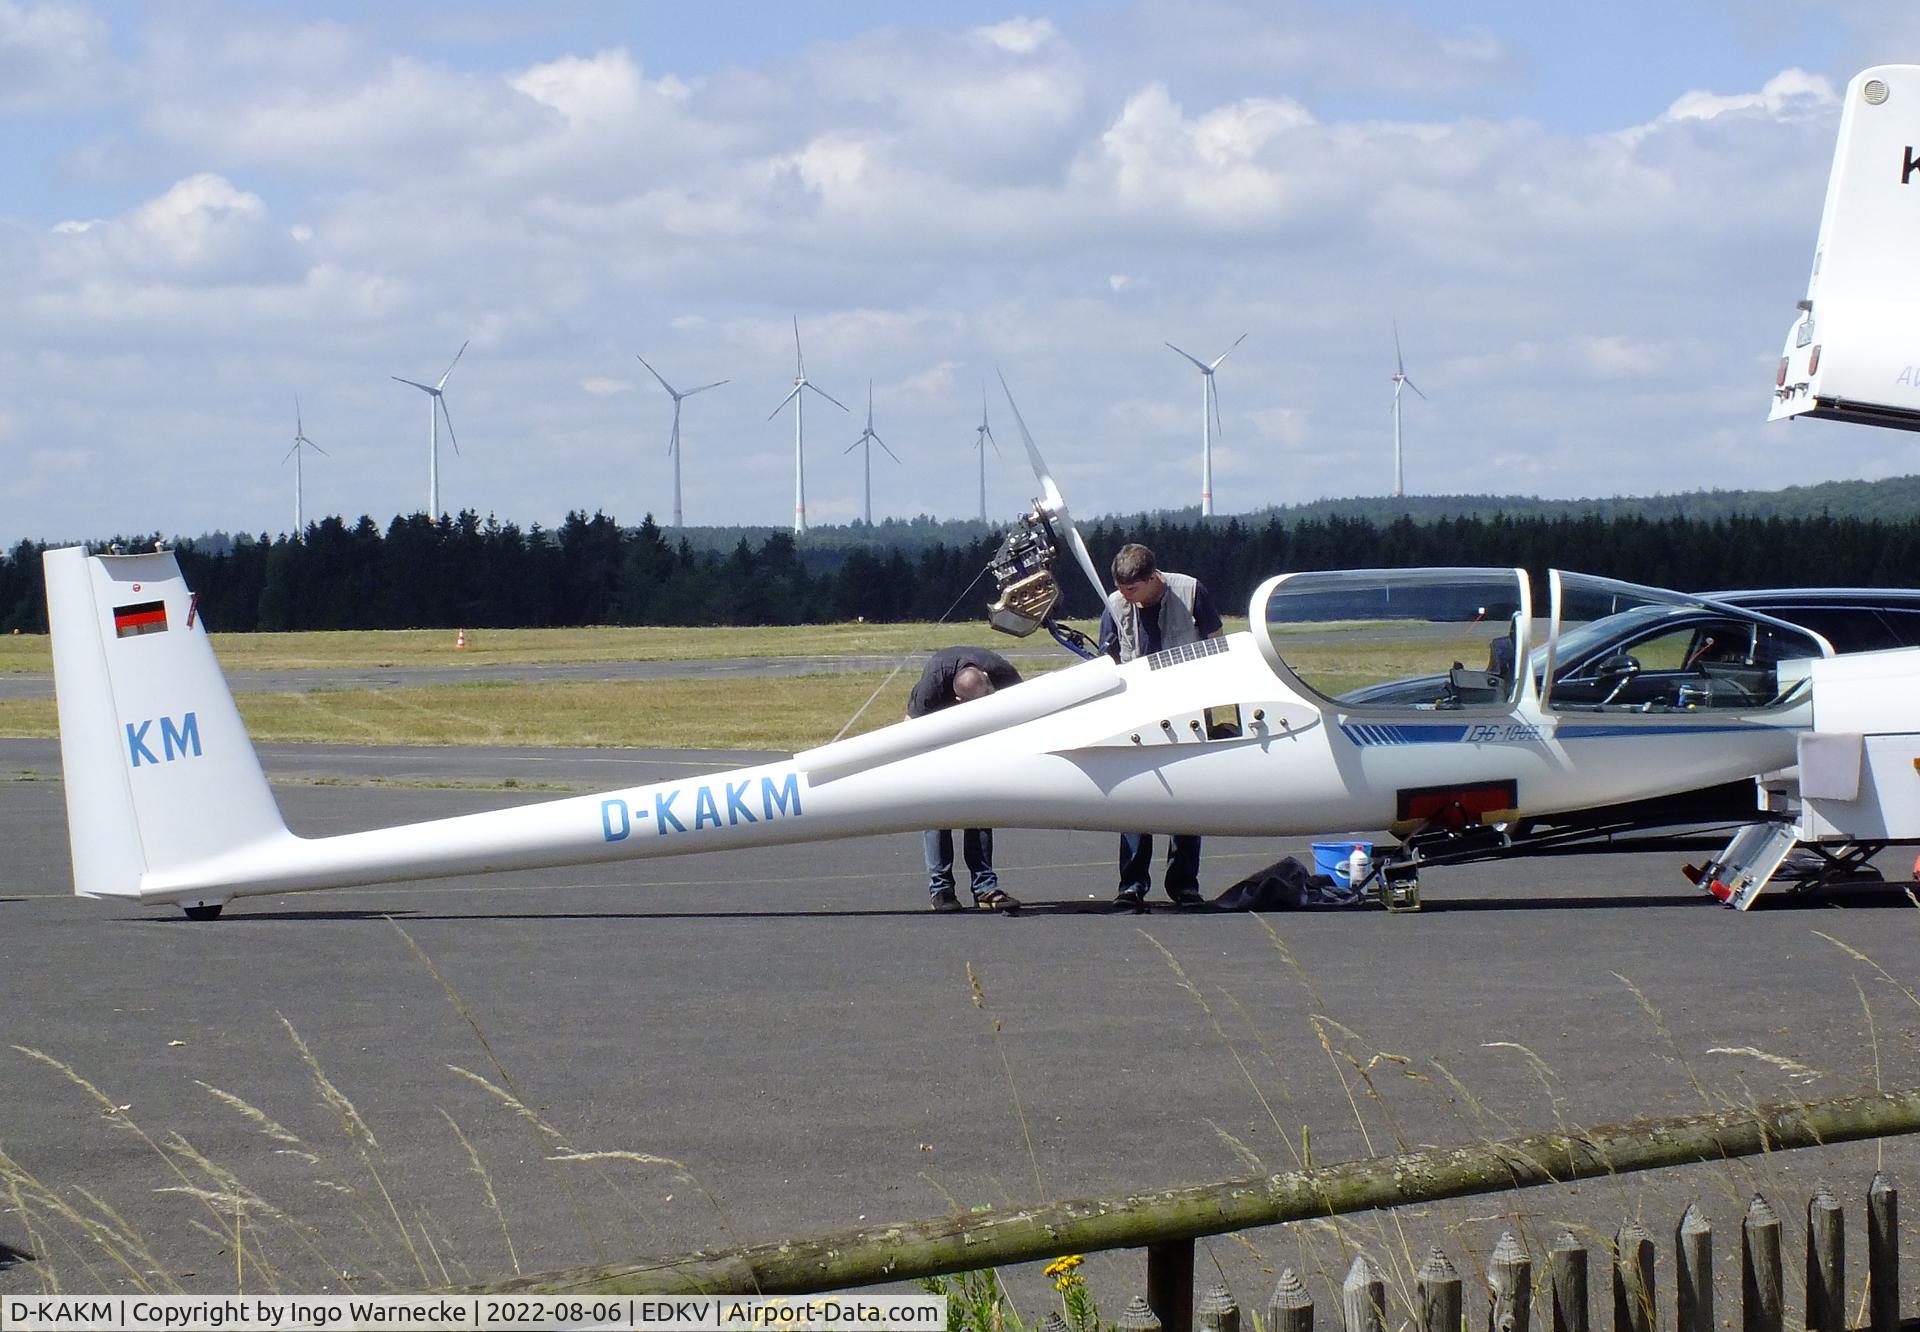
<point>1591,226</point>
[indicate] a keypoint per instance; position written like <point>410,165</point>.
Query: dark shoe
<point>1190,901</point>
<point>995,900</point>
<point>1130,901</point>
<point>944,900</point>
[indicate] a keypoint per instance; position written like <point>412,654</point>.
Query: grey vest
<point>1176,616</point>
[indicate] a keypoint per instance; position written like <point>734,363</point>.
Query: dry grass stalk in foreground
<point>275,1236</point>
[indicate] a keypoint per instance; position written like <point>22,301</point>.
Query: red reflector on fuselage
<point>1457,806</point>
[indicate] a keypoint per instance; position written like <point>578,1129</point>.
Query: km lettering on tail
<point>177,740</point>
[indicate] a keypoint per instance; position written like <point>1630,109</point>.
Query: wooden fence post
<point>1826,1263</point>
<point>1290,1309</point>
<point>1567,1262</point>
<point>1510,1285</point>
<point>1364,1297</point>
<point>1437,1289</point>
<point>1762,1279</point>
<point>1633,1279</point>
<point>1883,1254</point>
<point>1137,1317</point>
<point>1170,1284</point>
<point>1693,1272</point>
<point>1217,1311</point>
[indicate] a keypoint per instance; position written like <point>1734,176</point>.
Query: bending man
<point>959,675</point>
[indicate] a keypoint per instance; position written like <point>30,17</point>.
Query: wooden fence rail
<point>1166,1223</point>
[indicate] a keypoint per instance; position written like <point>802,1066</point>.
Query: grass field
<point>787,714</point>
<point>520,647</point>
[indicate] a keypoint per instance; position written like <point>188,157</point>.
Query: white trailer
<point>1852,353</point>
<point>1855,788</point>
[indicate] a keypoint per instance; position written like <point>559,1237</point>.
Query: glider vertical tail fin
<point>159,772</point>
<point>1848,354</point>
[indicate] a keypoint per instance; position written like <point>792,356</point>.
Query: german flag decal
<point>149,617</point>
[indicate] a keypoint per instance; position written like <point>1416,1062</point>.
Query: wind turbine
<point>983,436</point>
<point>673,440</point>
<point>299,438</point>
<point>869,437</point>
<point>436,409</point>
<point>1209,419</point>
<point>799,416</point>
<point>1400,381</point>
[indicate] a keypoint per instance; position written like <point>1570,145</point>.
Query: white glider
<point>167,802</point>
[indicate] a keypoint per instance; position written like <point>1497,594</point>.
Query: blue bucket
<point>1330,858</point>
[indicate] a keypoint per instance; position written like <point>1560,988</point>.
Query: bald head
<point>970,682</point>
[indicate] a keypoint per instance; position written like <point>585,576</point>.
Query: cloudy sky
<point>1591,227</point>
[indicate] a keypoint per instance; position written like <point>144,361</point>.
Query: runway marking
<point>569,758</point>
<point>424,783</point>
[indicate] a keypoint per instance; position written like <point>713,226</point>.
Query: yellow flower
<point>1063,1267</point>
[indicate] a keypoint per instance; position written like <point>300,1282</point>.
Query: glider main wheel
<point>204,911</point>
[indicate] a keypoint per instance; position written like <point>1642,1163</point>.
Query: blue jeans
<point>1182,878</point>
<point>976,844</point>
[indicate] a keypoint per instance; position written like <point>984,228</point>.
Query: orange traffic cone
<point>461,640</point>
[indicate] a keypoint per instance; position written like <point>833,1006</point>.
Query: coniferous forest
<point>465,571</point>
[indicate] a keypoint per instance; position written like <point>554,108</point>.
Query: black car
<point>1853,619</point>
<point>1659,657</point>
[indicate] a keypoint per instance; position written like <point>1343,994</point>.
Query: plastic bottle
<point>1359,865</point>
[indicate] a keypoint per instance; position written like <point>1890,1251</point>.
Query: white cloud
<point>600,386</point>
<point>1791,92</point>
<point>1019,36</point>
<point>607,124</point>
<point>204,230</point>
<point>1343,50</point>
<point>1614,356</point>
<point>1224,169</point>
<point>833,166</point>
<point>1288,427</point>
<point>400,118</point>
<point>53,56</point>
<point>43,476</point>
<point>596,92</point>
<point>932,384</point>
